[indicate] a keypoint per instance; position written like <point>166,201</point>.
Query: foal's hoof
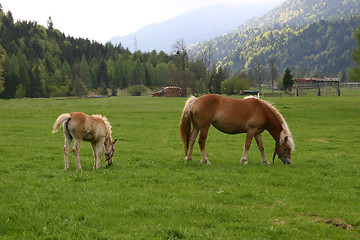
<point>188,158</point>
<point>205,161</point>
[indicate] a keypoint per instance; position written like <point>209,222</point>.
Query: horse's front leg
<point>76,150</point>
<point>202,141</point>
<point>97,150</point>
<point>261,148</point>
<point>249,136</point>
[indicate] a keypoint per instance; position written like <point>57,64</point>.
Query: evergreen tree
<point>84,73</point>
<point>103,79</point>
<point>138,74</point>
<point>288,80</point>
<point>149,74</point>
<point>37,80</point>
<point>2,61</point>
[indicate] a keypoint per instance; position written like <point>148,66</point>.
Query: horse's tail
<point>59,121</point>
<point>185,124</point>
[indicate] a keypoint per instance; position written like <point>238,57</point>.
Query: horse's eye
<point>285,149</point>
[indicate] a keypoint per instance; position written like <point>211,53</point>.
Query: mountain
<point>285,26</point>
<point>193,26</point>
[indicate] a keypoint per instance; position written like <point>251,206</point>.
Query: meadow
<point>150,192</point>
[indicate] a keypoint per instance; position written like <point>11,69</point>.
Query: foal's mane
<point>106,122</point>
<point>286,131</point>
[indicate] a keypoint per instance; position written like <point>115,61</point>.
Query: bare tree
<point>207,60</point>
<point>181,61</point>
<point>258,71</point>
<point>273,70</point>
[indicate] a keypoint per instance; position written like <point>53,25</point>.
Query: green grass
<point>150,192</point>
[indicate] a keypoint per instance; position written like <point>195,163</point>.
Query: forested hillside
<point>295,35</point>
<point>323,48</point>
<point>38,61</point>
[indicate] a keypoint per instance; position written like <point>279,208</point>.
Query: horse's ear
<point>114,141</point>
<point>286,139</point>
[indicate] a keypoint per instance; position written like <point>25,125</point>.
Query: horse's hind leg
<point>66,150</point>
<point>192,139</point>
<point>76,150</point>
<point>261,148</point>
<point>202,141</point>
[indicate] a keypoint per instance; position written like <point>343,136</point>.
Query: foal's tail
<point>59,121</point>
<point>185,124</point>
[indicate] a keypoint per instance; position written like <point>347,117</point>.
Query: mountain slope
<point>302,12</point>
<point>193,27</point>
<point>295,13</point>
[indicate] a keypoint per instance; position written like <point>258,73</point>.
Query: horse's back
<point>229,115</point>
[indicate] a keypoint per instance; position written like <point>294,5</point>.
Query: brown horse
<point>81,127</point>
<point>250,115</point>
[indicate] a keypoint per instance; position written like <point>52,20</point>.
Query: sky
<point>102,20</point>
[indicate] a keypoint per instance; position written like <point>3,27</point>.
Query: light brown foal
<point>81,127</point>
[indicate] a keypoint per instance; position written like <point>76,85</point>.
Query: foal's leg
<point>76,150</point>
<point>192,139</point>
<point>261,148</point>
<point>66,150</point>
<point>202,141</point>
<point>249,136</point>
<point>97,150</point>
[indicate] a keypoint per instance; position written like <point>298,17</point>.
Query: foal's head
<point>110,152</point>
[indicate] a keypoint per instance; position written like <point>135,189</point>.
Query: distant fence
<point>272,94</point>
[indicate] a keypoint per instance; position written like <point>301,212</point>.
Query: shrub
<point>233,85</point>
<point>137,90</point>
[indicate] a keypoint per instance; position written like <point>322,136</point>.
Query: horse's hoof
<point>266,162</point>
<point>188,158</point>
<point>244,161</point>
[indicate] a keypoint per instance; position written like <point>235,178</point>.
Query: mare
<point>232,116</point>
<point>82,127</point>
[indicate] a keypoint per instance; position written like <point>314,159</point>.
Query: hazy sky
<point>101,20</point>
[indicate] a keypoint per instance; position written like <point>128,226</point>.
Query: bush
<point>233,85</point>
<point>137,90</point>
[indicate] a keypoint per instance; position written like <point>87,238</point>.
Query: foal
<point>81,127</point>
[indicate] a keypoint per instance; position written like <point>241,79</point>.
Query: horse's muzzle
<point>109,162</point>
<point>284,159</point>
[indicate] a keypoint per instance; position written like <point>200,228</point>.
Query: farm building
<point>304,84</point>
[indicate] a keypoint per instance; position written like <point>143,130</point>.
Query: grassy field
<point>150,192</point>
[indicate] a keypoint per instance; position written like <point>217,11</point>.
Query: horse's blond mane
<point>286,131</point>
<point>106,122</point>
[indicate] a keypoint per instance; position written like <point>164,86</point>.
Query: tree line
<point>38,61</point>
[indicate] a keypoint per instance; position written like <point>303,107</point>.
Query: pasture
<point>150,192</point>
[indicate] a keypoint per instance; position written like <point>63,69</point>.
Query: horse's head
<point>283,149</point>
<point>110,153</point>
